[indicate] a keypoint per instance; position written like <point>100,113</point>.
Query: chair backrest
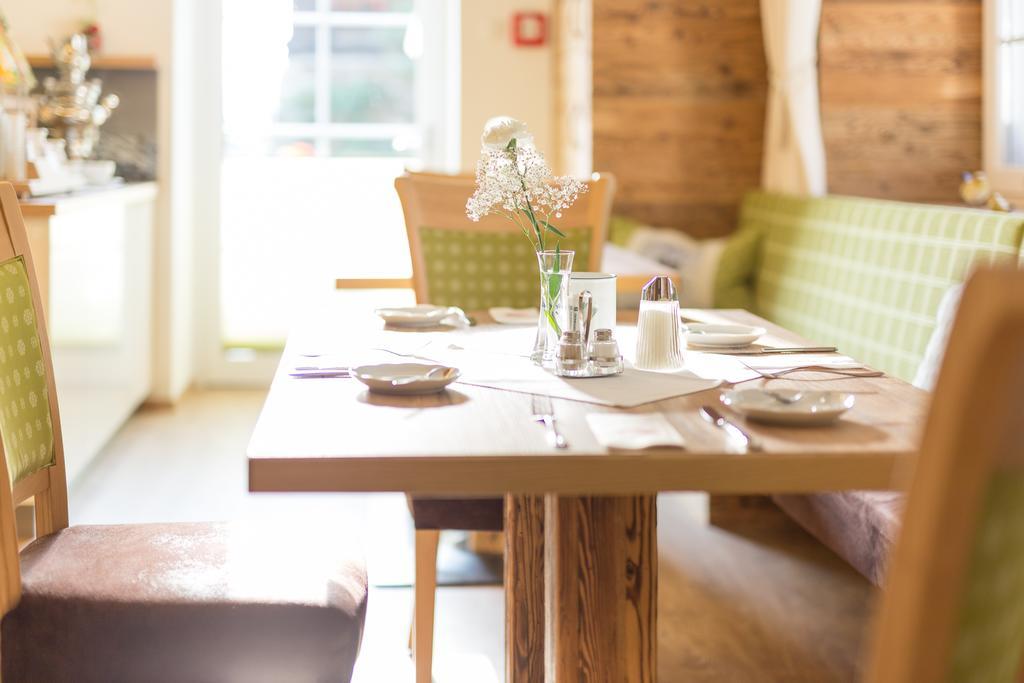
<point>953,608</point>
<point>477,265</point>
<point>30,438</point>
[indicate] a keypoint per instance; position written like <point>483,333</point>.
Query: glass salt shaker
<point>605,358</point>
<point>659,343</point>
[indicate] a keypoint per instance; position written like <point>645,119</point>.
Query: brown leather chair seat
<point>470,514</point>
<point>859,526</point>
<point>184,602</point>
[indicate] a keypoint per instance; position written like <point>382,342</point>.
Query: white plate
<point>700,334</point>
<point>810,409</point>
<point>514,316</point>
<point>420,315</point>
<point>380,377</point>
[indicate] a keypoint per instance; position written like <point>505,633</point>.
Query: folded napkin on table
<point>634,431</point>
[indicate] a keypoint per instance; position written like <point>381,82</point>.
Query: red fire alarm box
<point>529,29</point>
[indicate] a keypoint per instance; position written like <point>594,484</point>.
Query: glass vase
<point>555,269</point>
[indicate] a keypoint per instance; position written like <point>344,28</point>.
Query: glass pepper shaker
<point>571,358</point>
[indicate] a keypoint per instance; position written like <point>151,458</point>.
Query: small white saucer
<point>411,378</point>
<point>420,315</point>
<point>718,336</point>
<point>808,408</point>
<point>513,316</point>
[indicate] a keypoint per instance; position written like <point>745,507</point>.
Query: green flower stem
<point>513,149</point>
<point>549,293</point>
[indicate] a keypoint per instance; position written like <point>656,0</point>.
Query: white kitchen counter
<point>93,253</point>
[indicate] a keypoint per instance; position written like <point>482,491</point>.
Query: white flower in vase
<point>513,180</point>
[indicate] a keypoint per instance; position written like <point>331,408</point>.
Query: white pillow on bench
<point>696,261</point>
<point>928,370</point>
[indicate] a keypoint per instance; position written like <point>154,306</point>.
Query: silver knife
<point>730,428</point>
<point>766,350</point>
<point>798,349</point>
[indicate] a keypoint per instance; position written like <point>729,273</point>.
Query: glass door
<point>324,103</point>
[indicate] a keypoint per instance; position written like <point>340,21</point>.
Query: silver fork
<point>842,372</point>
<point>543,412</point>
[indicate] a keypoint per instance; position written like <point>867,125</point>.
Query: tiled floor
<point>769,605</point>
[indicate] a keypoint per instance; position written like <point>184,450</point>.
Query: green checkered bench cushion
<point>476,270</point>
<point>867,275</point>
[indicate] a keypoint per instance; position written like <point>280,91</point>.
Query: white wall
<point>501,79</point>
<point>130,27</point>
<point>144,27</point>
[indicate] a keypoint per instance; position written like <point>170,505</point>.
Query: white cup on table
<point>602,290</point>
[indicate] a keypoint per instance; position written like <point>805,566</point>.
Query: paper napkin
<point>634,431</point>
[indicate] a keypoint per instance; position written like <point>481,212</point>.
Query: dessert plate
<point>718,336</point>
<point>420,315</point>
<point>789,407</point>
<point>409,379</point>
<point>513,316</point>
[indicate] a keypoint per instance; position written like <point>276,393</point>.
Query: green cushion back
<point>25,424</point>
<point>476,270</point>
<point>734,278</point>
<point>867,275</point>
<point>990,637</point>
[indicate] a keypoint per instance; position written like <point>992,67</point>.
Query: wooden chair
<point>451,254</point>
<point>953,607</point>
<point>153,602</point>
<point>476,265</point>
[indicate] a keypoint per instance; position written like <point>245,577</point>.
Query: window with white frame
<point>323,104</point>
<point>349,85</point>
<point>1004,95</point>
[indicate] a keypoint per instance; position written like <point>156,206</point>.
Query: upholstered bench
<point>866,276</point>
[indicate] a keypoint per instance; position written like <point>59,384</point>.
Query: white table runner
<point>494,358</point>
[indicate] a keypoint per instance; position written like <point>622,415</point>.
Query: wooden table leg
<point>601,589</point>
<point>524,589</point>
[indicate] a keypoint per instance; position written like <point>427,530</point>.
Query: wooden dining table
<point>581,551</point>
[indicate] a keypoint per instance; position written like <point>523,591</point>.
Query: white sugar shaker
<point>659,343</point>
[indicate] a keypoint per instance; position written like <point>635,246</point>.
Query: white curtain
<point>794,152</point>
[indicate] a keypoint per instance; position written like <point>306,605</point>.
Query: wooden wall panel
<point>901,96</point>
<point>679,102</point>
<point>678,111</point>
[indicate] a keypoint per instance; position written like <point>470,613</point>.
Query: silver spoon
<point>421,378</point>
<point>787,399</point>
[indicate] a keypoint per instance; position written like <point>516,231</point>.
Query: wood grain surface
<point>524,594</point>
<point>334,435</point>
<point>602,607</point>
<point>678,110</point>
<point>901,96</point>
<point>679,102</point>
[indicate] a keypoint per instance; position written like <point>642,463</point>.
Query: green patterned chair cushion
<point>25,425</point>
<point>621,229</point>
<point>990,637</point>
<point>867,275</point>
<point>476,270</point>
